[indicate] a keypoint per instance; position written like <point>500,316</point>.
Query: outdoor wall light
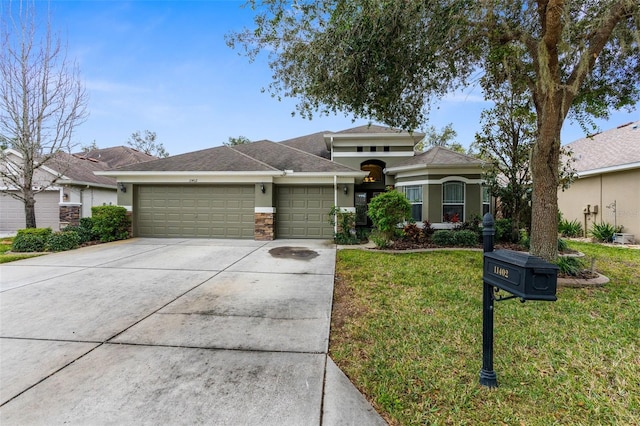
<point>262,188</point>
<point>345,189</point>
<point>122,187</point>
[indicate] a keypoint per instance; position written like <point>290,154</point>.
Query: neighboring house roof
<point>261,156</point>
<point>435,157</point>
<point>612,150</point>
<point>313,144</point>
<point>118,156</point>
<point>79,170</point>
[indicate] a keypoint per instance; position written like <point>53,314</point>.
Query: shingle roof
<point>440,156</point>
<point>118,156</point>
<point>313,144</point>
<point>218,159</point>
<point>614,147</point>
<point>283,157</point>
<point>80,169</point>
<point>258,156</point>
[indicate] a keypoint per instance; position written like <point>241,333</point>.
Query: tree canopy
<point>389,60</point>
<point>147,144</point>
<point>240,140</point>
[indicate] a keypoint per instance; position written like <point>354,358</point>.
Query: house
<point>608,186</point>
<point>266,190</point>
<point>75,188</point>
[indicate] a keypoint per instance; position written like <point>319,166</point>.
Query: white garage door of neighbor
<point>12,215</point>
<point>303,212</point>
<point>211,211</point>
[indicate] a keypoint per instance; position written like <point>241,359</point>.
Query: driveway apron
<point>174,331</point>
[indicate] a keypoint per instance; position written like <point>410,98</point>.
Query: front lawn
<point>407,330</point>
<point>5,246</point>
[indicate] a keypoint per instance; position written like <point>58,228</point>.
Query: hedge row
<point>108,223</point>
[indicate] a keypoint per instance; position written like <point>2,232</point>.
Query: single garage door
<point>303,212</point>
<point>47,208</point>
<point>212,211</point>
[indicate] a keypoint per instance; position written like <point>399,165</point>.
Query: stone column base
<point>264,227</point>
<point>70,214</point>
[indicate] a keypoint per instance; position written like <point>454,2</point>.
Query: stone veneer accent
<point>70,214</point>
<point>264,227</point>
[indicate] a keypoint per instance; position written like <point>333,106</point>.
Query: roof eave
<point>610,169</point>
<point>398,169</point>
<point>84,183</point>
<point>187,173</point>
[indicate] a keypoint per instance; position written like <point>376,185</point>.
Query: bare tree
<point>42,100</point>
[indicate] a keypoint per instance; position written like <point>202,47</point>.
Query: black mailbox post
<point>524,276</point>
<point>528,277</point>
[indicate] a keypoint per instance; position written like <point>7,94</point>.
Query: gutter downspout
<point>335,203</point>
<point>335,194</point>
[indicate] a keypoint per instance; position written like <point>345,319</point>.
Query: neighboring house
<point>266,190</point>
<point>74,191</point>
<point>608,184</point>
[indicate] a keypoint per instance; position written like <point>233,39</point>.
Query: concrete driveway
<point>174,331</point>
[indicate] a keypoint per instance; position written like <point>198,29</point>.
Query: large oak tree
<point>388,60</point>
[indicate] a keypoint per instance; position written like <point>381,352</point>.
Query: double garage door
<point>220,211</point>
<point>227,211</point>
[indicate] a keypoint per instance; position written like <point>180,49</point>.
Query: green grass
<point>5,246</point>
<point>407,330</point>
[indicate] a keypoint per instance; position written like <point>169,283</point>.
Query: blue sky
<point>164,66</point>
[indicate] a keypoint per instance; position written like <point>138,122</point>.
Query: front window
<point>453,202</point>
<point>414,195</point>
<point>486,200</point>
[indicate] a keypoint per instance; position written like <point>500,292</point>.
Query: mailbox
<point>521,274</point>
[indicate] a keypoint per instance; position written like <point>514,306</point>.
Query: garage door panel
<point>302,211</point>
<point>47,208</point>
<point>214,211</point>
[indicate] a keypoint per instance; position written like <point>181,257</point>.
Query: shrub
<point>427,229</point>
<point>465,238</point>
<point>31,239</point>
<point>414,233</point>
<point>387,210</point>
<point>472,225</point>
<point>379,239</point>
<point>443,237</point>
<point>110,223</point>
<point>362,234</point>
<point>569,265</point>
<point>504,230</point>
<point>61,241</point>
<point>570,228</point>
<point>525,239</point>
<point>346,223</point>
<point>602,232</point>
<point>84,230</point>
<point>562,245</point>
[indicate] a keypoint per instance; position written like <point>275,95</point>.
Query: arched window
<point>375,169</point>
<point>453,202</point>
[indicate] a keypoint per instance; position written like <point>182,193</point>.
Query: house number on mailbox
<point>503,272</point>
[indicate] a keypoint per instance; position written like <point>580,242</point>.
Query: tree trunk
<point>545,176</point>
<point>30,210</point>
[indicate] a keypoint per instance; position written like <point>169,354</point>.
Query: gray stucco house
<point>265,190</point>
